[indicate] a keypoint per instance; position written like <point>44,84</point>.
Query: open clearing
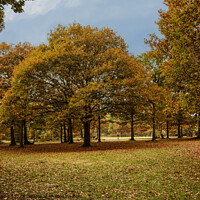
<point>165,169</point>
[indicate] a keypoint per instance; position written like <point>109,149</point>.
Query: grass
<point>150,172</point>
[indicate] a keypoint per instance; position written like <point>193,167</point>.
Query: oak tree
<point>73,71</point>
<point>10,56</point>
<point>179,48</point>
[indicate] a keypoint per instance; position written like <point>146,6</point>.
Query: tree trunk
<point>61,133</point>
<point>25,133</point>
<point>86,134</point>
<point>70,131</point>
<point>65,135</point>
<point>161,134</point>
<point>198,134</point>
<point>26,142</point>
<point>81,133</point>
<point>12,136</point>
<point>181,131</point>
<point>132,128</point>
<point>154,124</point>
<point>99,129</point>
<point>21,135</point>
<point>167,129</point>
<point>68,134</point>
<point>179,128</point>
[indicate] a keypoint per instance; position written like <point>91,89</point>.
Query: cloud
<point>73,3</point>
<point>78,3</point>
<point>40,7</point>
<point>32,8</point>
<point>132,19</point>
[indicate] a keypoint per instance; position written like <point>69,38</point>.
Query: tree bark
<point>61,133</point>
<point>167,129</point>
<point>65,135</point>
<point>154,124</point>
<point>81,133</point>
<point>25,133</point>
<point>161,134</point>
<point>132,128</point>
<point>26,142</point>
<point>99,129</point>
<point>198,134</point>
<point>86,134</point>
<point>70,131</point>
<point>21,135</point>
<point>12,136</point>
<point>68,134</point>
<point>179,129</point>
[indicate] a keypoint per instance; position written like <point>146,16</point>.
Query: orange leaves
<point>75,70</point>
<point>179,49</point>
<point>10,57</point>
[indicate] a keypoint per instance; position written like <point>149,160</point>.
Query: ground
<point>165,169</point>
<point>95,146</point>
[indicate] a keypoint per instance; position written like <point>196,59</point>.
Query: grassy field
<point>165,169</point>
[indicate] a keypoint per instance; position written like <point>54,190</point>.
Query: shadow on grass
<point>95,146</point>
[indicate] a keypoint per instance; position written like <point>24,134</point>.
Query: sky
<point>133,20</point>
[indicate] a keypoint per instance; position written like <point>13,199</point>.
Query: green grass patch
<point>170,173</point>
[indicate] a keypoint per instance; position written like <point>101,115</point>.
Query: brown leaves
<point>165,173</point>
<point>104,146</point>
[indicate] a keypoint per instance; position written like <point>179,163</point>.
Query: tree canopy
<point>179,50</point>
<point>80,72</point>
<point>84,73</point>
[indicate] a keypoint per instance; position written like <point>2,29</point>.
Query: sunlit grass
<point>169,173</point>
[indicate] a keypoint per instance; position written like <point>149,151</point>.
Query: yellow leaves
<point>179,47</point>
<point>81,71</point>
<point>10,57</point>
